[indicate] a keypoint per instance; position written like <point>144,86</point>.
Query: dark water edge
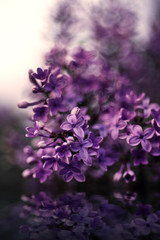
<point>99,206</point>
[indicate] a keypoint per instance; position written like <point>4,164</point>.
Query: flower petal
<point>121,124</point>
<point>75,146</point>
<point>80,177</point>
<point>137,130</point>
<point>156,127</point>
<point>148,133</point>
<point>68,177</point>
<point>66,126</point>
<point>146,145</point>
<point>83,153</point>
<point>80,121</point>
<point>114,133</point>
<point>88,161</point>
<point>72,119</point>
<point>63,171</point>
<point>87,143</point>
<point>134,141</point>
<point>78,131</point>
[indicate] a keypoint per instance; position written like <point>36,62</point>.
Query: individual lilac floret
<point>139,157</point>
<point>140,136</point>
<point>50,162</point>
<point>40,113</point>
<point>41,74</point>
<point>71,170</point>
<point>133,99</point>
<point>127,115</point>
<point>55,106</point>
<point>33,131</point>
<point>82,147</point>
<point>57,81</point>
<point>63,151</point>
<point>147,107</point>
<point>127,132</point>
<point>75,124</point>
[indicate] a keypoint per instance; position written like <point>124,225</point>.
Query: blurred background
<point>27,34</point>
<point>28,30</point>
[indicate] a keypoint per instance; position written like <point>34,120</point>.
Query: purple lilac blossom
<point>63,151</point>
<point>74,124</point>
<point>147,107</point>
<point>77,217</point>
<point>42,173</point>
<point>97,83</point>
<point>82,147</point>
<point>41,74</point>
<point>55,106</point>
<point>33,131</point>
<point>56,82</point>
<point>40,113</point>
<point>116,125</point>
<point>139,136</point>
<point>71,170</point>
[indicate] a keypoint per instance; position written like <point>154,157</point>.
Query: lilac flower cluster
<point>75,217</point>
<point>78,109</point>
<point>65,142</point>
<point>88,115</point>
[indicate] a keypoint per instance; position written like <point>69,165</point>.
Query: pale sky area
<point>23,24</point>
<point>23,27</point>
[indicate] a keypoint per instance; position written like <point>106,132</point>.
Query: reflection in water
<point>75,217</point>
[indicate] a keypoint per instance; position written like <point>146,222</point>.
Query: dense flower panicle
<point>127,121</point>
<point>86,109</point>
<point>63,152</point>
